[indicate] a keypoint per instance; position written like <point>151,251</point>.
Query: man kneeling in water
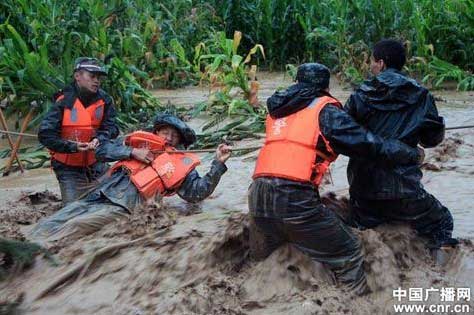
<point>140,175</point>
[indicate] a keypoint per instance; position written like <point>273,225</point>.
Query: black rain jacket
<point>392,106</point>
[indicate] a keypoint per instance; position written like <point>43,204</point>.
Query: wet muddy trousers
<point>426,215</point>
<point>74,181</point>
<point>77,219</point>
<point>317,232</point>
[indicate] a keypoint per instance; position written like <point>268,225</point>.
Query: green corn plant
<point>225,67</point>
<point>440,71</point>
<point>232,117</point>
<point>19,255</point>
<point>466,84</point>
<point>30,157</point>
<point>340,34</point>
<point>26,74</point>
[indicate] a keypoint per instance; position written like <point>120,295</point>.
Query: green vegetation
<point>15,256</point>
<point>31,157</point>
<point>174,43</point>
<point>340,33</point>
<point>232,104</point>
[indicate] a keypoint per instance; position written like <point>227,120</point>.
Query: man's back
<point>393,106</point>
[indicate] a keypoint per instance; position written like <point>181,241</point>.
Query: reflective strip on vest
<point>290,146</point>
<point>79,124</point>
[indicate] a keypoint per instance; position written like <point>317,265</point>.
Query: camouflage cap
<point>89,64</point>
<point>314,73</point>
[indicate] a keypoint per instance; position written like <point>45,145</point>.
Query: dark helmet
<point>89,64</point>
<point>313,73</point>
<point>188,136</point>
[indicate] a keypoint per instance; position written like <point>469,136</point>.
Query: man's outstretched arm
<point>349,138</point>
<point>196,188</point>
<point>112,150</point>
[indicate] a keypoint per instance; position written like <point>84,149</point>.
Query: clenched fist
<point>143,155</point>
<point>223,152</point>
<point>93,144</point>
<point>82,146</point>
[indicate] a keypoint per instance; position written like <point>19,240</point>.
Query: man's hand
<point>223,152</point>
<point>82,146</point>
<point>94,144</point>
<point>143,155</point>
<point>421,153</point>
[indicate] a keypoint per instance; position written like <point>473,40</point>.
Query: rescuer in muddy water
<point>147,169</point>
<point>305,131</point>
<point>395,106</point>
<point>81,114</point>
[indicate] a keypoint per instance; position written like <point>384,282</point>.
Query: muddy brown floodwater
<point>200,265</point>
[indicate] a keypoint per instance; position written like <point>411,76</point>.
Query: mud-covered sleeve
<point>112,150</point>
<point>432,129</point>
<point>49,133</point>
<point>349,138</point>
<point>108,128</point>
<point>196,188</point>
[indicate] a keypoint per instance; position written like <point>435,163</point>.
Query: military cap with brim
<point>89,64</point>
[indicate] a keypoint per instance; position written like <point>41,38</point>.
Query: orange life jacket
<point>146,140</point>
<point>290,146</point>
<point>167,171</point>
<point>80,124</point>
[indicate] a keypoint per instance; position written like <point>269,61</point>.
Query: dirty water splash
<point>200,264</point>
<point>197,268</point>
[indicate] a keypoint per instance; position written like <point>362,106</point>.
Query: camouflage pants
<point>281,214</point>
<point>75,181</point>
<point>426,214</point>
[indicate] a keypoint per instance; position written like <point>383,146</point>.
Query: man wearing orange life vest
<point>138,176</point>
<point>82,114</point>
<point>305,131</point>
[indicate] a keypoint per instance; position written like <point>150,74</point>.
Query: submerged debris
<point>15,256</point>
<point>29,208</point>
